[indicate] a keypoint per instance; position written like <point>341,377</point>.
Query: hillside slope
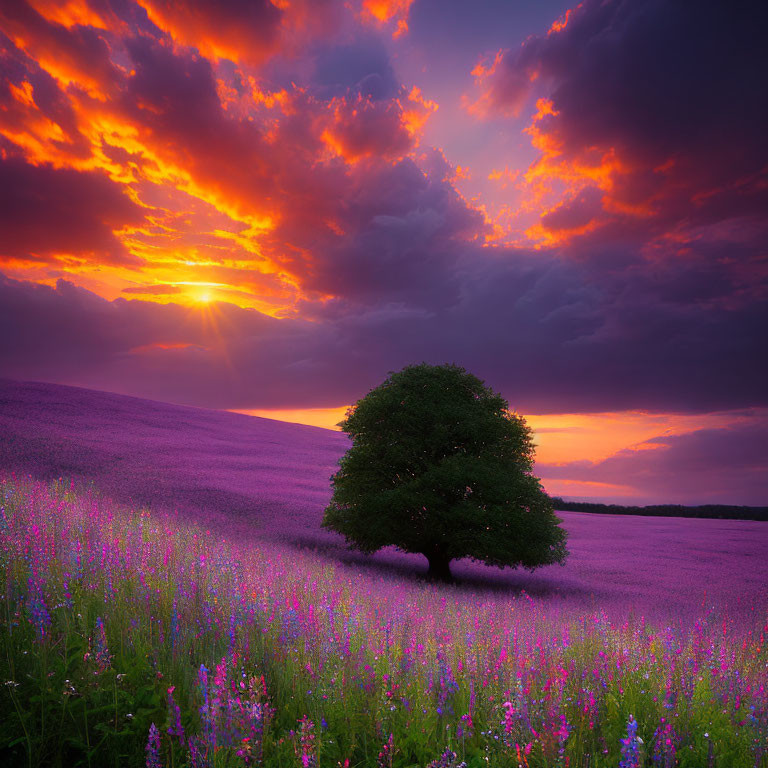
<point>266,479</point>
<point>247,469</point>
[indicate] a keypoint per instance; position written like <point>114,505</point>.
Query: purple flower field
<point>269,481</point>
<point>186,610</point>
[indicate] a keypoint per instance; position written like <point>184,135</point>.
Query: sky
<point>268,206</point>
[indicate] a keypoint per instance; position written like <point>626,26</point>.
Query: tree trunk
<point>439,565</point>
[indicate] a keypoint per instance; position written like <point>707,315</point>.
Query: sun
<point>205,297</point>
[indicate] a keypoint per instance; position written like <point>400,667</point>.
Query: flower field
<point>135,638</point>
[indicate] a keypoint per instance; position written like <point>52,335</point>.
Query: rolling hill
<point>256,477</point>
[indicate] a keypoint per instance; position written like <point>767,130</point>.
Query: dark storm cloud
<point>545,336</point>
<point>706,466</point>
<point>172,98</point>
<point>46,211</point>
<point>665,99</point>
<point>402,233</point>
<point>368,222</point>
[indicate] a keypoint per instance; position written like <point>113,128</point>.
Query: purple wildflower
<point>306,750</point>
<point>449,759</point>
<point>39,615</point>
<point>100,655</point>
<point>665,745</point>
<point>153,748</point>
<point>174,716</point>
<point>630,747</point>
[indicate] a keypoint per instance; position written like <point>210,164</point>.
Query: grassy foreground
<point>131,639</point>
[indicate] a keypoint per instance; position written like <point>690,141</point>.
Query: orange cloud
<point>574,194</point>
<point>506,177</point>
<point>70,13</point>
<point>389,11</point>
<point>416,111</point>
<point>593,437</point>
<point>559,24</point>
<point>240,30</point>
<point>628,159</point>
<point>502,92</point>
<point>72,54</point>
<point>230,182</point>
<point>363,127</point>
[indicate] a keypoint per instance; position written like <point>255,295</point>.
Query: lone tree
<point>440,466</point>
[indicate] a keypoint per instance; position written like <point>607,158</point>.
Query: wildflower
<point>153,748</point>
<point>665,740</point>
<point>40,617</point>
<point>509,712</point>
<point>244,752</point>
<point>99,653</point>
<point>630,747</point>
<point>291,626</point>
<point>447,760</point>
<point>466,727</point>
<point>174,716</point>
<point>306,750</point>
<point>198,754</point>
<point>387,755</point>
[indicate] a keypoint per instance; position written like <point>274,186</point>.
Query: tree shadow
<point>469,576</point>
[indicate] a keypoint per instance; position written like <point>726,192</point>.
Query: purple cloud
<point>542,333</point>
<point>659,99</point>
<point>47,211</point>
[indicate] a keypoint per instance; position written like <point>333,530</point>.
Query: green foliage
<point>441,467</point>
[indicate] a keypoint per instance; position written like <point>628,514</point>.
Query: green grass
<point>320,665</point>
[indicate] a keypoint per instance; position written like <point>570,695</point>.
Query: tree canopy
<point>440,466</point>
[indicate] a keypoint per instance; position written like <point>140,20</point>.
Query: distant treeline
<point>722,511</point>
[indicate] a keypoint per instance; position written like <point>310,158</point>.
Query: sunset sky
<point>267,206</point>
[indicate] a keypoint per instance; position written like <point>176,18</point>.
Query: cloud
<point>647,118</point>
<point>295,175</point>
<point>398,235</point>
<point>242,30</point>
<point>361,65</point>
<point>363,127</point>
<point>705,466</point>
<point>388,11</point>
<point>36,115</point>
<point>77,54</point>
<point>49,214</point>
<point>547,337</point>
<point>299,182</point>
<point>160,289</point>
